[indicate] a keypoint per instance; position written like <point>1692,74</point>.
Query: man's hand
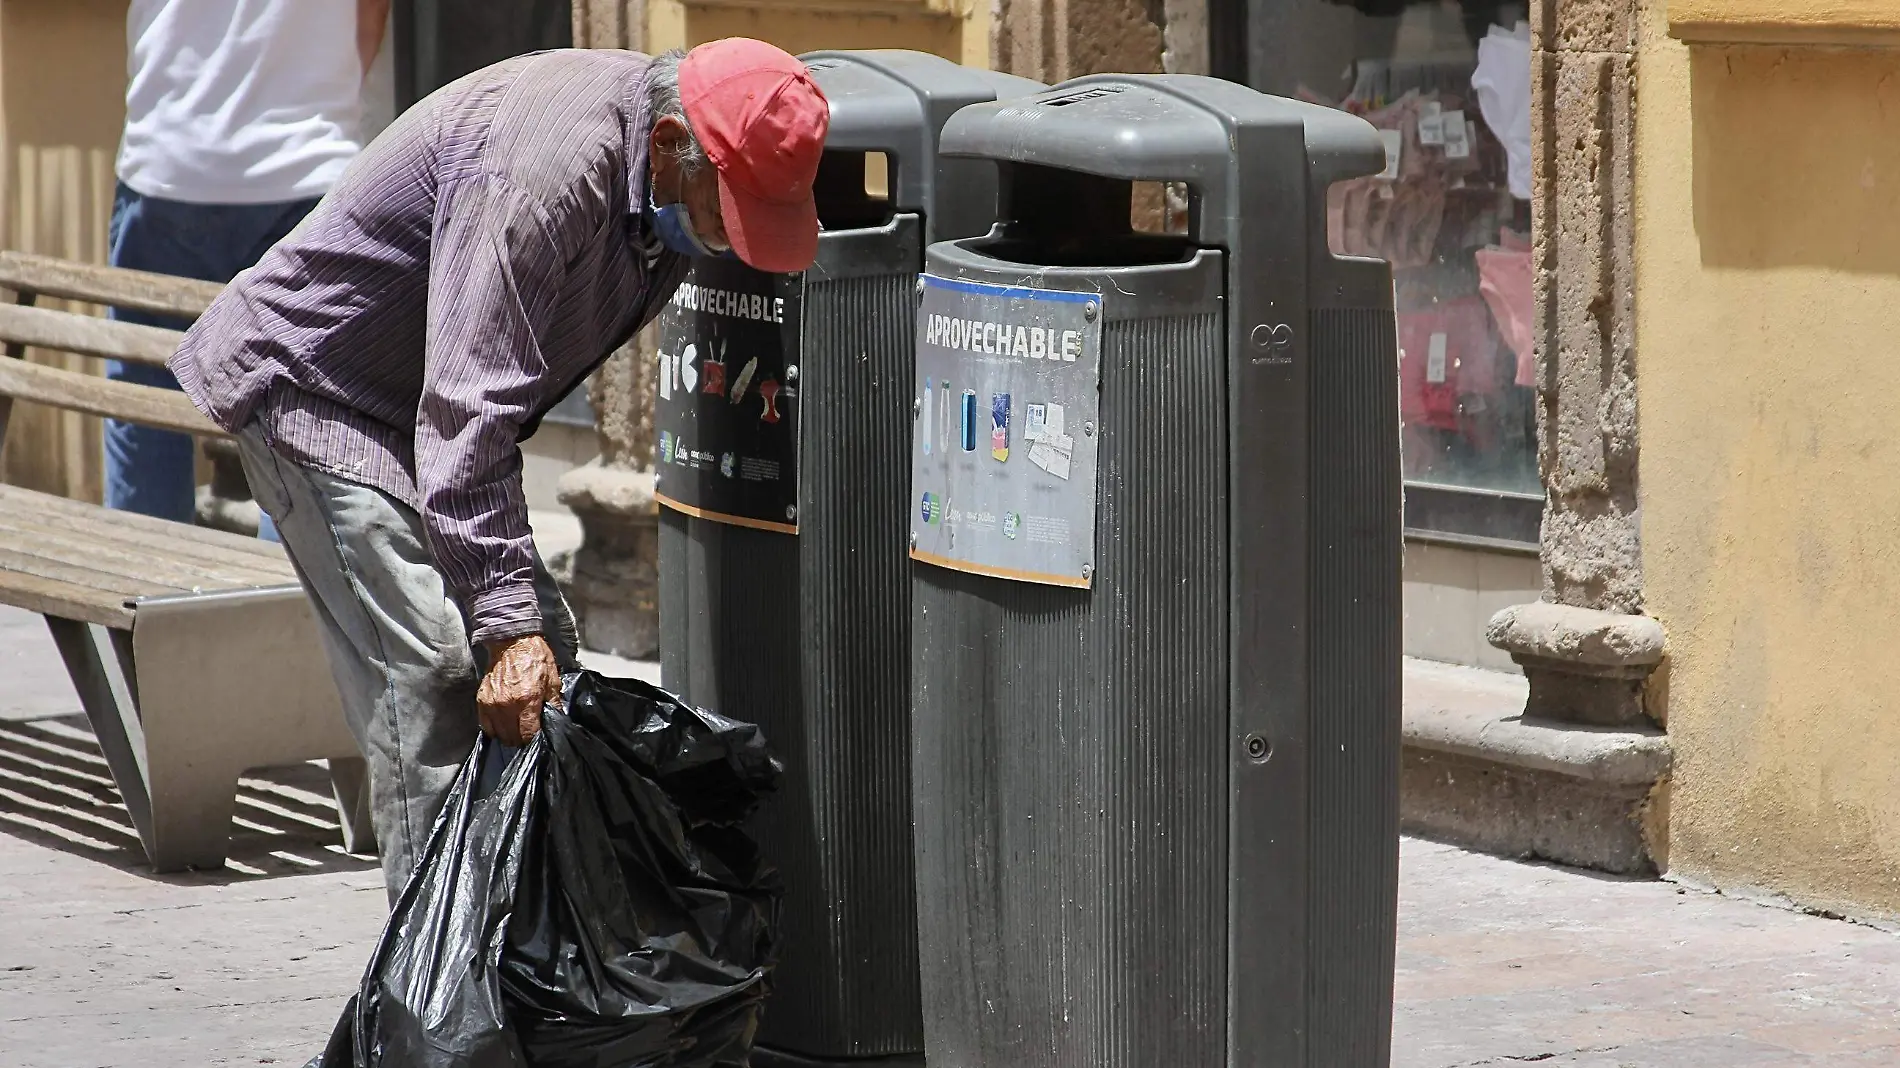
<point>522,675</point>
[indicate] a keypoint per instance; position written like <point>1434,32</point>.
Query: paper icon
<point>1050,459</point>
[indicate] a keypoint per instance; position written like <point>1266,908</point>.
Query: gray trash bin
<point>783,416</point>
<point>1155,611</point>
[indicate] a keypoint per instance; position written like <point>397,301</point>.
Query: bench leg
<point>349,778</point>
<point>183,815</point>
<point>99,661</point>
<point>191,818</point>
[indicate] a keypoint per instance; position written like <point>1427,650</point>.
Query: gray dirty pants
<point>395,637</point>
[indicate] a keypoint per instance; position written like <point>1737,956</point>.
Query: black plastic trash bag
<point>591,901</point>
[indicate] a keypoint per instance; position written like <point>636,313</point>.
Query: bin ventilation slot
<point>853,189</point>
<point>1083,94</point>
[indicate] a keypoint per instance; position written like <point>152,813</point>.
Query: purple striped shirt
<point>473,265</point>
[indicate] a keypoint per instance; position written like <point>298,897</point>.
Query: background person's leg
<point>151,471</point>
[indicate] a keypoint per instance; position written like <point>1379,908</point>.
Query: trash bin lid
<point>896,101</point>
<point>1218,136</point>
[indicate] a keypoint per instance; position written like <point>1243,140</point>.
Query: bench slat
<point>163,294</point>
<point>200,542</point>
<point>87,335</point>
<point>145,405</point>
<point>64,600</point>
<point>113,588</point>
<point>61,539</point>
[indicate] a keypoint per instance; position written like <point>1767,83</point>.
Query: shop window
<point>1447,83</point>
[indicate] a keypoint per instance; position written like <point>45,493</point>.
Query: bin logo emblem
<point>933,508</point>
<point>1012,522</point>
<point>726,464</point>
<point>666,446</point>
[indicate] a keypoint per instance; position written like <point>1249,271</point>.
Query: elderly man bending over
<point>381,363</point>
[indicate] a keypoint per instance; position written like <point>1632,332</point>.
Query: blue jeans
<point>150,471</point>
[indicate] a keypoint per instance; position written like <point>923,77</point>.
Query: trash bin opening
<point>1060,218</point>
<point>853,189</point>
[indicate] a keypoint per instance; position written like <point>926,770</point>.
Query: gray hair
<point>663,102</point>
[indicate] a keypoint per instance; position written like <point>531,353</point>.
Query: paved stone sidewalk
<point>1500,963</point>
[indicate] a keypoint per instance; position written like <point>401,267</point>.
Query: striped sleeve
<point>496,268</point>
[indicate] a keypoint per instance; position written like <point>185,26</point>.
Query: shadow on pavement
<point>56,791</point>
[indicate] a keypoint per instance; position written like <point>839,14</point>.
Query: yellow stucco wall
<point>62,104</point>
<point>1768,311</point>
<point>1842,22</point>
<point>954,29</point>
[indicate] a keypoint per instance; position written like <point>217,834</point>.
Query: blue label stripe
<point>985,289</point>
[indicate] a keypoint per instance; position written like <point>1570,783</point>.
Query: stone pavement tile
<point>1504,963</point>
<point>32,680</point>
<point>1697,1053</point>
<point>102,964</point>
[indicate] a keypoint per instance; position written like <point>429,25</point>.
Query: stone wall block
<point>609,23</point>
<point>1585,26</point>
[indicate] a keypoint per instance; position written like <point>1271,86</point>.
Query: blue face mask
<point>673,224</point>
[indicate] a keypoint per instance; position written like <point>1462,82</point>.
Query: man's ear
<point>663,146</point>
<point>668,136</point>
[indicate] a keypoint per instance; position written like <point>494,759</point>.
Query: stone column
<point>1054,40</point>
<point>225,503</point>
<point>1587,649</point>
<point>612,580</point>
<point>1184,37</point>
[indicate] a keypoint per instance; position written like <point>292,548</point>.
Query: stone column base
<point>612,581</point>
<point>226,503</point>
<point>1585,666</point>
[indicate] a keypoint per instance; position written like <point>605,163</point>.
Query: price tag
<point>1435,362</point>
<point>1431,124</point>
<point>1457,135</point>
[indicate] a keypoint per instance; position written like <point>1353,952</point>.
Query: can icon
<point>929,411</point>
<point>999,426</point>
<point>969,420</point>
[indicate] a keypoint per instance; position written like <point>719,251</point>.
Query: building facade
<point>1646,268</point>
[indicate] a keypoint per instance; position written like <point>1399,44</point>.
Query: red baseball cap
<point>762,121</point>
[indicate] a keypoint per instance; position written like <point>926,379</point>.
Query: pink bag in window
<point>1504,278</point>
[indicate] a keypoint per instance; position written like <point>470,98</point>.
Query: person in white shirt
<point>240,116</point>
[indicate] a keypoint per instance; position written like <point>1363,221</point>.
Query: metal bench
<point>193,651</point>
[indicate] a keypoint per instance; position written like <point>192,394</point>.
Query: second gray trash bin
<point>784,589</point>
<point>1156,610</point>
